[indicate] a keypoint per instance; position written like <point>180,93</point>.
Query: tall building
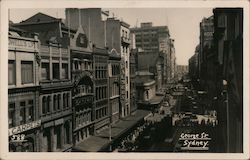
<point>181,70</point>
<point>228,41</point>
<point>155,39</point>
<point>23,91</point>
<point>55,81</point>
<point>206,44</point>
<point>193,66</point>
<point>148,37</point>
<point>118,39</point>
<point>82,73</point>
<point>132,72</point>
<point>92,21</point>
<point>114,85</point>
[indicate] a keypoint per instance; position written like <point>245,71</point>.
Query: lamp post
<point>227,108</point>
<point>110,135</point>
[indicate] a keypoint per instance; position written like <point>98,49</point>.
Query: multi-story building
<point>218,68</point>
<point>228,75</point>
<point>23,91</point>
<point>153,63</point>
<point>181,70</point>
<point>117,38</point>
<point>92,21</point>
<point>102,116</point>
<point>114,84</point>
<point>148,37</point>
<point>55,106</point>
<point>132,72</point>
<point>155,39</point>
<point>206,44</point>
<point>171,62</point>
<point>193,68</point>
<point>82,73</point>
<point>146,94</point>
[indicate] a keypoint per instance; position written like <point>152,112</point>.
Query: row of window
<point>57,101</point>
<point>101,92</point>
<point>125,49</point>
<point>101,112</point>
<point>83,89</point>
<point>55,68</point>
<point>26,72</point>
<point>83,118</point>
<point>125,34</point>
<point>82,65</point>
<point>101,71</point>
<point>21,112</point>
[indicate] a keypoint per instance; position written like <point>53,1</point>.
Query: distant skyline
<point>183,23</point>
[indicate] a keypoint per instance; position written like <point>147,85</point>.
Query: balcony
<point>125,40</point>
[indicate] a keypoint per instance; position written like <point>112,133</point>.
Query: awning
<point>124,125</point>
<point>156,100</point>
<point>101,140</point>
<point>92,144</point>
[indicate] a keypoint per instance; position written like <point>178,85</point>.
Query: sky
<point>183,23</point>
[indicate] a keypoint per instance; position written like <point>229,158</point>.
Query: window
<point>11,115</point>
<point>48,104</point>
<point>59,101</point>
<point>45,71</point>
<point>30,110</point>
<point>22,116</point>
<point>11,72</point>
<point>58,136</point>
<point>44,105</point>
<point>56,73</point>
<point>65,71</point>
<point>55,102</point>
<point>96,93</point>
<point>67,133</point>
<point>64,101</point>
<point>68,100</point>
<point>27,72</point>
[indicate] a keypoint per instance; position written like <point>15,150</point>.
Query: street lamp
<point>110,135</point>
<point>225,90</point>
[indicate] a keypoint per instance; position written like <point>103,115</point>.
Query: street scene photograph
<point>125,80</point>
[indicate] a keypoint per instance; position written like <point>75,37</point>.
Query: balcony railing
<point>126,40</point>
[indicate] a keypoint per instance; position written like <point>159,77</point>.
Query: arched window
<point>48,103</point>
<point>54,102</point>
<point>64,100</point>
<point>59,101</point>
<point>68,100</point>
<point>147,95</point>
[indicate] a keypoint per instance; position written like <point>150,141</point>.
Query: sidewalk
<point>101,140</point>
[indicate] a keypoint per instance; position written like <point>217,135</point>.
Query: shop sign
<point>24,127</point>
<point>20,43</point>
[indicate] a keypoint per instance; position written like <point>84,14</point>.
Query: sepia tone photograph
<point>126,79</point>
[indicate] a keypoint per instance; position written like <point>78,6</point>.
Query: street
<point>171,141</point>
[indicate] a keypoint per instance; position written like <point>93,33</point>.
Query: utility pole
<point>227,110</point>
